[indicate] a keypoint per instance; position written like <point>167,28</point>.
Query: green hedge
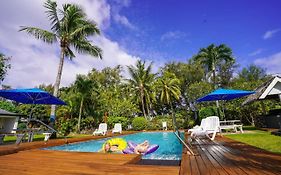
<point>207,111</point>
<point>139,123</point>
<point>123,120</point>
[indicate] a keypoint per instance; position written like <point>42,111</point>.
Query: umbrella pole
<point>28,121</point>
<point>218,108</point>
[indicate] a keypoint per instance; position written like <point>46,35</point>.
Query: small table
<point>231,124</point>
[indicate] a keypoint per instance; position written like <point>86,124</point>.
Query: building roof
<point>7,113</point>
<point>271,89</point>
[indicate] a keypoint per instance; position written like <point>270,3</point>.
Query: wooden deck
<point>228,157</point>
<point>222,157</point>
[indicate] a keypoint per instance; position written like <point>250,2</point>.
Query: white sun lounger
<point>212,126</point>
<point>117,128</point>
<point>198,128</point>
<point>102,129</point>
<point>164,125</point>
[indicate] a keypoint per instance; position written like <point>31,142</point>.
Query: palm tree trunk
<point>80,113</point>
<point>214,75</point>
<point>142,103</point>
<point>56,87</point>
<point>174,118</point>
<point>215,87</point>
<point>147,108</point>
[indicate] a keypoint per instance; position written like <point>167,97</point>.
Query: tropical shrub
<point>123,120</point>
<point>139,123</point>
<point>22,126</point>
<point>206,112</point>
<point>87,123</point>
<point>8,106</point>
<point>67,126</point>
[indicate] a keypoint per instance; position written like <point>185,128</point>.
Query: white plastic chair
<point>212,126</point>
<point>117,128</point>
<point>198,128</point>
<point>102,129</point>
<point>47,136</point>
<point>164,126</point>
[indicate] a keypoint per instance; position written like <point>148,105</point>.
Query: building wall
<point>7,124</point>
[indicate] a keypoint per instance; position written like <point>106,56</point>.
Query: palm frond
<point>85,47</point>
<point>69,53</point>
<point>41,34</point>
<point>86,28</point>
<point>51,7</point>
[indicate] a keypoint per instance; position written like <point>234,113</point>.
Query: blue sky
<point>176,31</point>
<point>152,30</point>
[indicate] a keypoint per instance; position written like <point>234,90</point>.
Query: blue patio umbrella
<point>31,96</point>
<point>225,94</point>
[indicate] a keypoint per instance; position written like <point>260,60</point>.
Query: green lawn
<point>40,137</point>
<point>260,139</point>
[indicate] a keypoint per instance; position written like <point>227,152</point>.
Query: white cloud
<point>256,52</point>
<point>270,33</point>
<point>272,63</point>
<point>34,62</point>
<point>171,35</point>
<point>123,20</point>
<point>116,13</point>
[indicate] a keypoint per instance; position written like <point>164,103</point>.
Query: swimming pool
<point>169,146</point>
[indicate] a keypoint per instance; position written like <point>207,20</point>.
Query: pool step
<point>159,162</point>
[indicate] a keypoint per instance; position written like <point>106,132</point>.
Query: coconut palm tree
<point>168,86</point>
<point>82,86</point>
<point>142,82</point>
<point>4,66</point>
<point>71,29</point>
<point>212,55</point>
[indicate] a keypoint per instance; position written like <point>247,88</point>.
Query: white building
<point>8,121</point>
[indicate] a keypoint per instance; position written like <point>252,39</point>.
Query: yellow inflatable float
<point>115,145</point>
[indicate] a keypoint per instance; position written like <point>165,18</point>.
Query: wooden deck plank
<point>38,162</point>
<point>228,157</point>
<point>245,161</point>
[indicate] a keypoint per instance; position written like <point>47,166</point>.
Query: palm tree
<point>71,28</point>
<point>4,66</point>
<point>83,86</point>
<point>211,56</point>
<point>142,82</point>
<point>168,85</point>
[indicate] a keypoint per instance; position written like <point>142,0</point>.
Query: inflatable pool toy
<point>118,143</point>
<point>132,146</point>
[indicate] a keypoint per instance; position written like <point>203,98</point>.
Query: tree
<point>4,66</point>
<point>168,86</point>
<point>252,73</point>
<point>187,73</point>
<point>71,28</point>
<point>83,86</point>
<point>212,56</point>
<point>142,82</point>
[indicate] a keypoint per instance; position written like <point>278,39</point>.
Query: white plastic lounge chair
<point>47,136</point>
<point>117,128</point>
<point>102,129</point>
<point>198,128</point>
<point>212,126</point>
<point>164,125</point>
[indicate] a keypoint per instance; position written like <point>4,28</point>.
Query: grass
<point>260,139</point>
<point>40,137</point>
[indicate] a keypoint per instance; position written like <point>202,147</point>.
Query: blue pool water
<point>169,146</point>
